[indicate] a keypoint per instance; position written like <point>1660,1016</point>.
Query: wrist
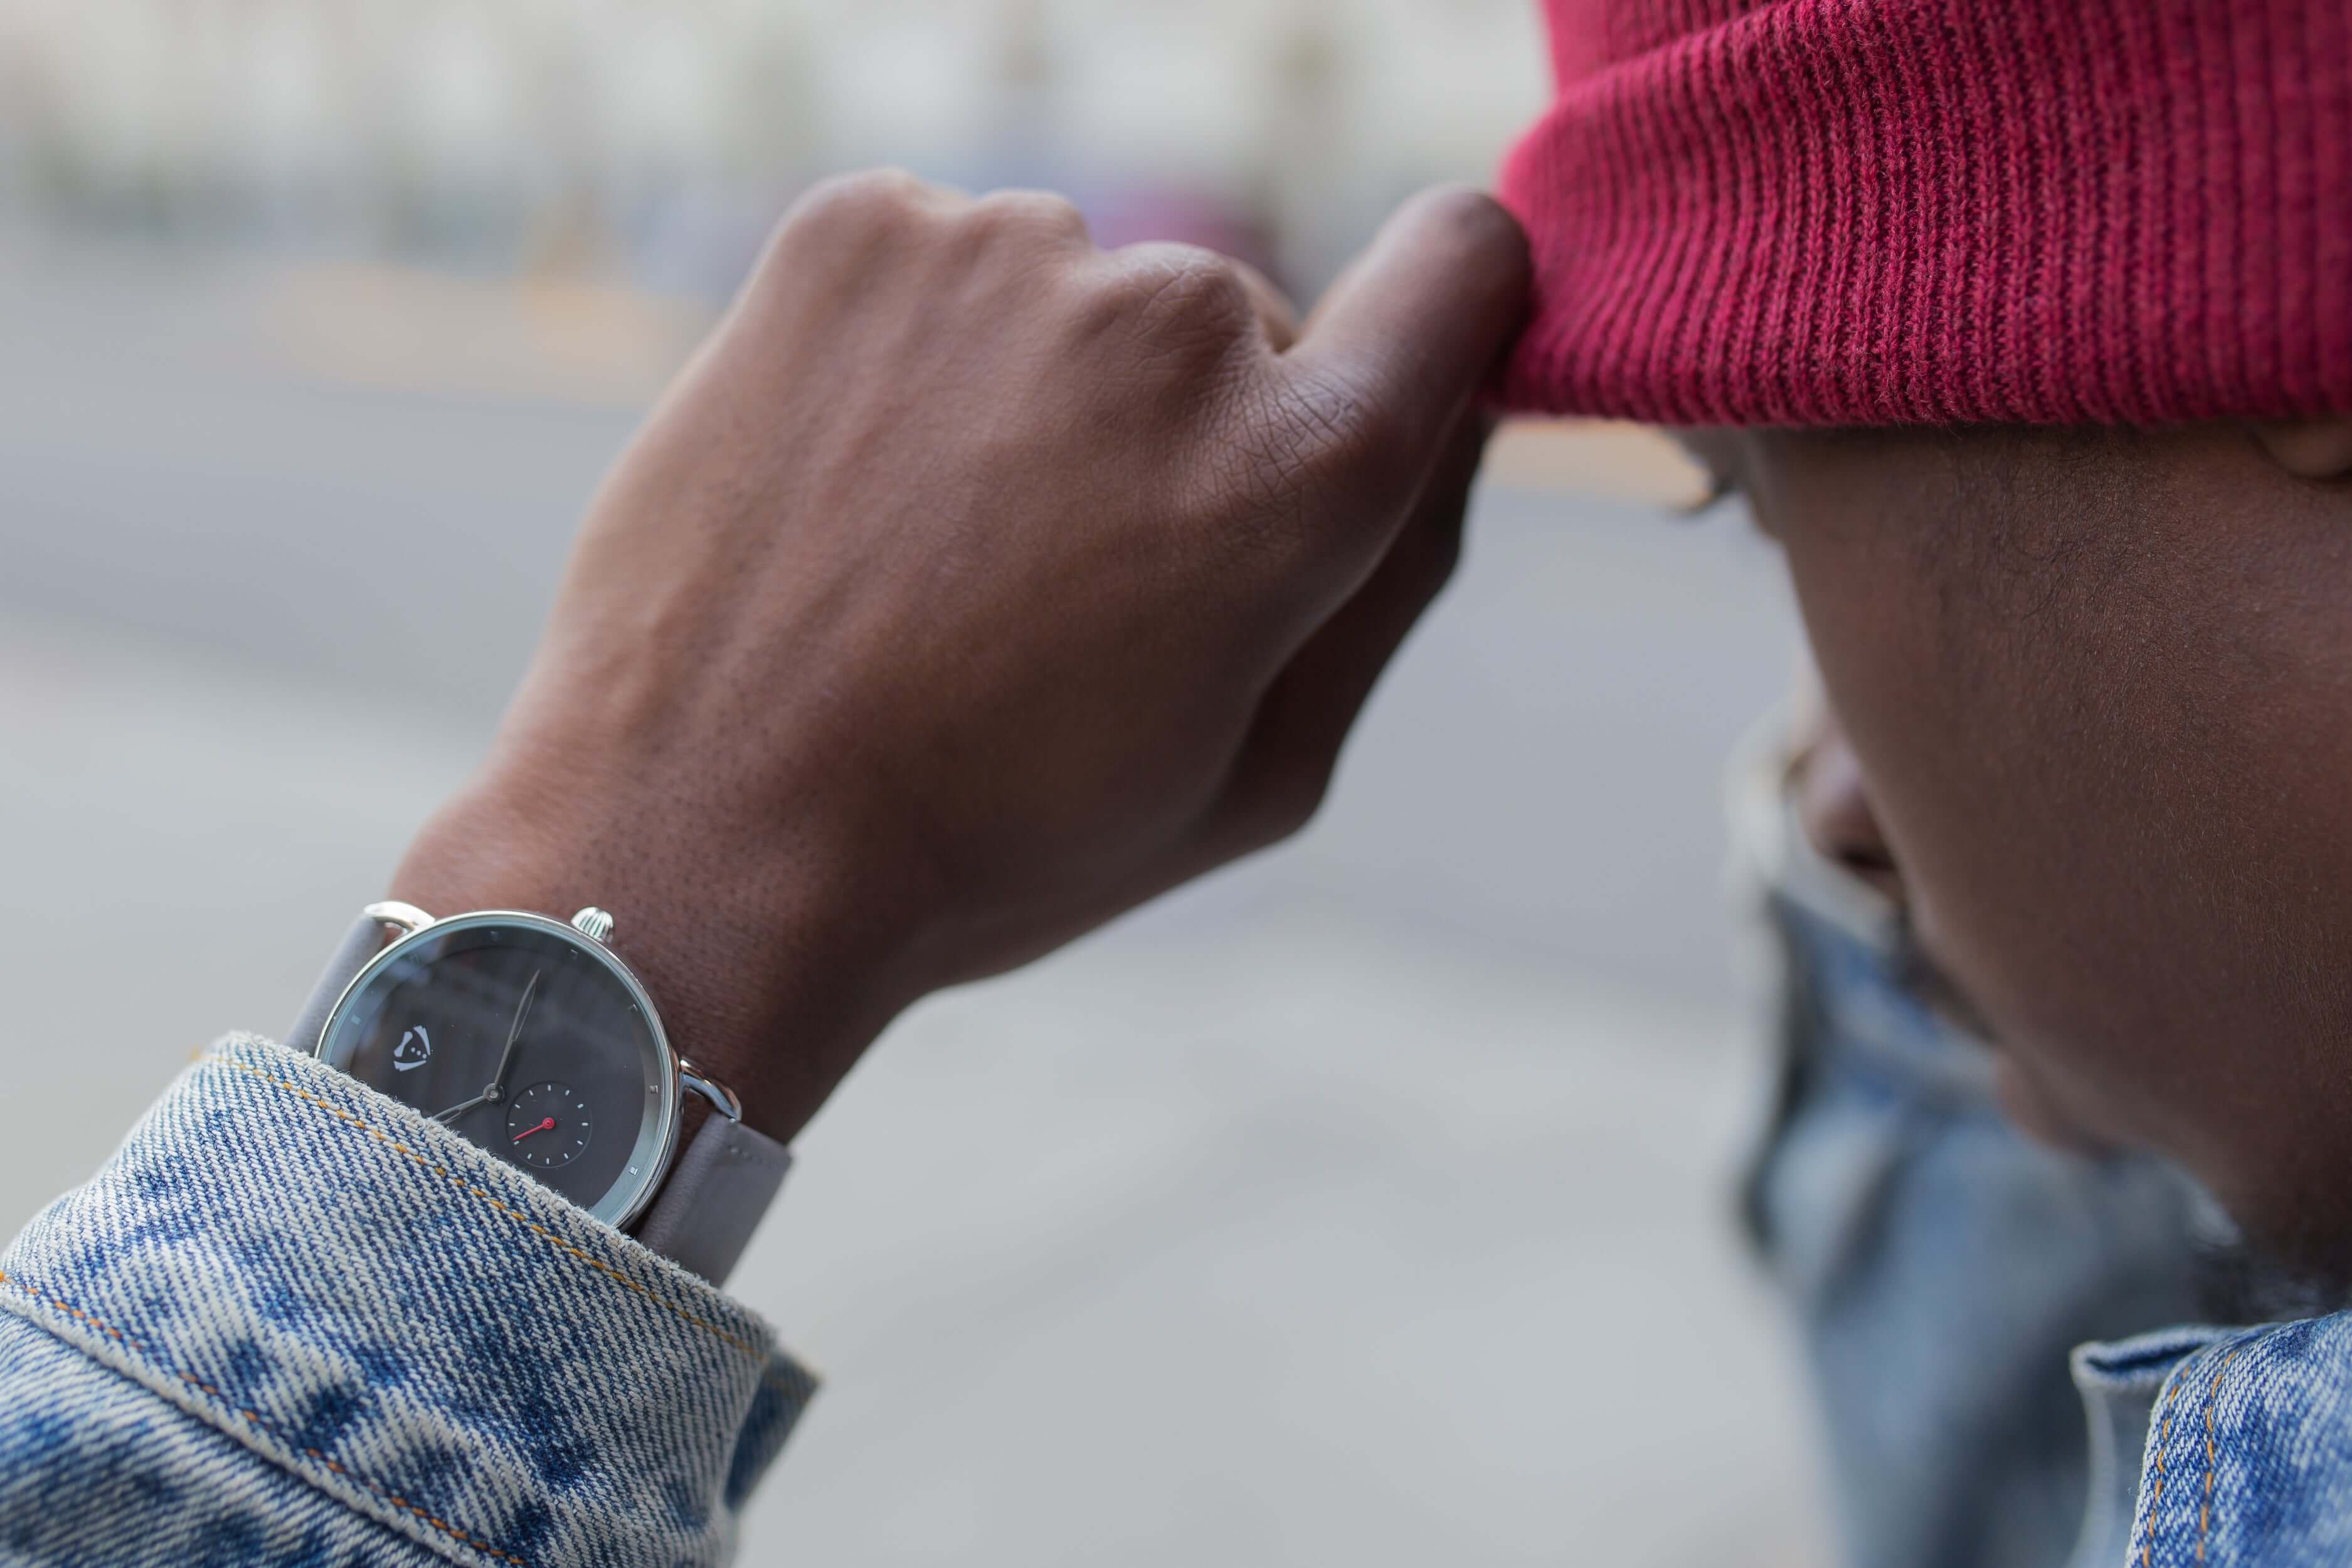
<point>766,953</point>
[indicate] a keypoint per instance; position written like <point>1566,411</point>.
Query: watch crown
<point>593,923</point>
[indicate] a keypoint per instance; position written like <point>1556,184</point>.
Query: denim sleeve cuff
<point>426,1334</point>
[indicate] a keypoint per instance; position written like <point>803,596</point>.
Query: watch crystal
<point>526,1038</point>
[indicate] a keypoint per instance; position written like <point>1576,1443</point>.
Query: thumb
<point>1412,328</point>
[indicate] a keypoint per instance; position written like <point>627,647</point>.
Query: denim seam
<point>2213,1394</point>
<point>549,1236</point>
<point>134,1343</point>
<point>2155,1495</point>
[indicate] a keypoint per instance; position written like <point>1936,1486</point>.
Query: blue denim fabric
<point>2249,1453</point>
<point>2120,1383</point>
<point>1943,1267</point>
<point>293,1321</point>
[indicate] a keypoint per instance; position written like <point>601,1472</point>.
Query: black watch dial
<point>526,1038</point>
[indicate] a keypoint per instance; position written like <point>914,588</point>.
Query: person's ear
<point>2310,448</point>
<point>1720,456</point>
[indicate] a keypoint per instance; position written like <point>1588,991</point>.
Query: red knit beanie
<point>1879,212</point>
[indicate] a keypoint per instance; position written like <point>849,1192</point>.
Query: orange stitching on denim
<point>2155,1493</point>
<point>541,1230</point>
<point>2205,1509</point>
<point>257,1419</point>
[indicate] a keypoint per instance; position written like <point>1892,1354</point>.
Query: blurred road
<point>1363,1204</point>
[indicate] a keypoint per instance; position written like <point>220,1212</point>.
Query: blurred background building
<point>654,140</point>
<point>1365,1204</point>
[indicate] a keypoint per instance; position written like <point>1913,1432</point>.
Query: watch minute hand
<point>514,1033</point>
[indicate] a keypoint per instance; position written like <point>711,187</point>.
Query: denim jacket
<point>294,1322</point>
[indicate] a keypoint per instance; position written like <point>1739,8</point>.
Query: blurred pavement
<point>1364,1204</point>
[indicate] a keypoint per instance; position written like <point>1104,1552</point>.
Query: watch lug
<point>723,1098</point>
<point>392,912</point>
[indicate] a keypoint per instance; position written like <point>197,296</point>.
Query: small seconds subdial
<point>548,1126</point>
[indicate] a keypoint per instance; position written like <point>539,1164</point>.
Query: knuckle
<point>1481,231</point>
<point>1472,215</point>
<point>860,206</point>
<point>839,229</point>
<point>1033,216</point>
<point>1184,288</point>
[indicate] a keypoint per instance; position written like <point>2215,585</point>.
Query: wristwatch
<point>531,1038</point>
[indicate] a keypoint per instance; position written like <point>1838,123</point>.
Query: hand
<point>971,586</point>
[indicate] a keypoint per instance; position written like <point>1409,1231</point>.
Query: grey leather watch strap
<point>361,942</point>
<point>714,1197</point>
<point>706,1211</point>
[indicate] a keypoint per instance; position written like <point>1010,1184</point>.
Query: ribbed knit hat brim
<point>1879,212</point>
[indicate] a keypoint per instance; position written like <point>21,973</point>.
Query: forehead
<point>2112,565</point>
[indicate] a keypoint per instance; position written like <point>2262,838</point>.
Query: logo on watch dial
<point>415,1048</point>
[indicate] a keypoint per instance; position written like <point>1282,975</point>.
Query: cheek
<point>2065,791</point>
<point>2101,694</point>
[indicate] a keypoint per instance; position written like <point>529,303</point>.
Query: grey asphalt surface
<point>1363,1204</point>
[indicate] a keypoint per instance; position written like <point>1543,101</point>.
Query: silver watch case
<point>656,1147</point>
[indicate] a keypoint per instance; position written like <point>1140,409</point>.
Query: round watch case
<point>657,1143</point>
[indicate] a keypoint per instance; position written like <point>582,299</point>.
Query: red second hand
<point>528,1130</point>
